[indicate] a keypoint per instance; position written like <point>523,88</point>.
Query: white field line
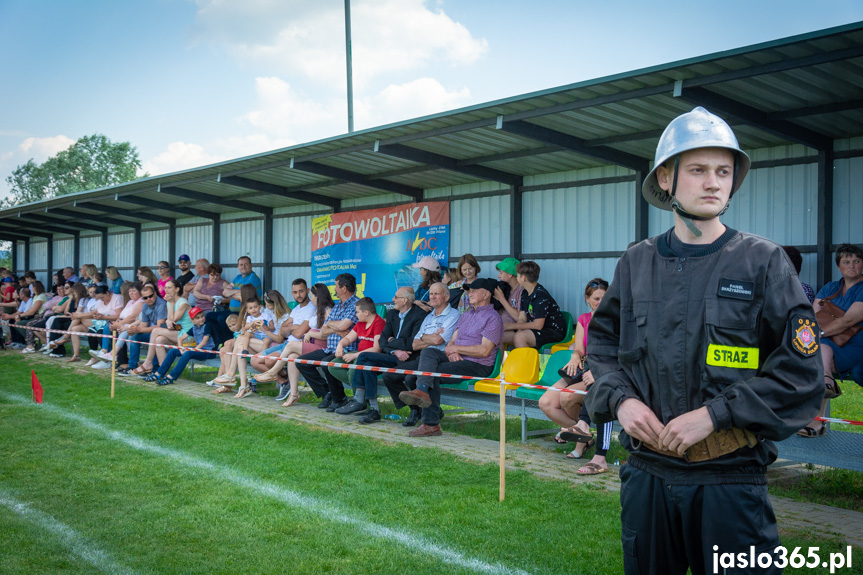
<point>71,539</point>
<point>326,510</point>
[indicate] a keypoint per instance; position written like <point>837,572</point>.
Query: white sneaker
<point>95,353</point>
<point>46,347</point>
<point>93,361</point>
<point>28,350</point>
<point>102,365</point>
<point>106,356</point>
<point>55,355</point>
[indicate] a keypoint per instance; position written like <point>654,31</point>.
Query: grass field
<point>158,482</point>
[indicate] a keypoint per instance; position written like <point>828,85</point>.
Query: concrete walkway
<point>532,457</point>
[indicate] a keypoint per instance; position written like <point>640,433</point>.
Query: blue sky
<point>194,82</point>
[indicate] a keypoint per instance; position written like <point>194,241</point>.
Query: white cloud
<point>418,98</point>
<point>291,36</point>
<point>180,156</point>
<point>37,149</point>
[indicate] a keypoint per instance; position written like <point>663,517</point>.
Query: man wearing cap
<point>472,351</point>
<point>705,349</point>
<point>185,265</point>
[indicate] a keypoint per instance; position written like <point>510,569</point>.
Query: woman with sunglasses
<point>164,270</point>
<point>178,320</point>
<point>565,408</point>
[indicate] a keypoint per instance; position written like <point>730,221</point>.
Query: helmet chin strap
<point>686,216</point>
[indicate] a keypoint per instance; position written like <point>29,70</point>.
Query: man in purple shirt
<point>471,351</point>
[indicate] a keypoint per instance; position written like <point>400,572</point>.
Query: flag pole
<point>113,362</point>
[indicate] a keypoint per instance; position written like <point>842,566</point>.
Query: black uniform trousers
<point>667,528</point>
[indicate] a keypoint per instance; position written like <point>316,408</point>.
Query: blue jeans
<point>135,348</point>
<point>185,357</point>
<point>369,379</point>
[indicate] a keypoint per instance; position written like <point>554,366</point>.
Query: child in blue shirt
<point>203,338</point>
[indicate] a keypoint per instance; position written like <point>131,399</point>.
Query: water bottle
<point>392,416</point>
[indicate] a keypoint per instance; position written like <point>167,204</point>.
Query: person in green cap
<point>509,299</point>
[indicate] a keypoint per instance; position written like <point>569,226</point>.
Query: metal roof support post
<point>172,247</point>
<point>268,252</point>
<point>136,259</point>
<point>642,210</point>
<point>217,240</point>
<point>50,259</point>
<point>824,238</point>
<point>26,254</point>
<point>104,250</point>
<point>14,255</point>
<point>516,221</point>
<point>76,253</point>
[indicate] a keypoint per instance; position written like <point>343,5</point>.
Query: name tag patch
<point>736,289</point>
<point>730,356</point>
<point>804,338</point>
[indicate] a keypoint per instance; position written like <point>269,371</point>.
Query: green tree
<point>91,162</point>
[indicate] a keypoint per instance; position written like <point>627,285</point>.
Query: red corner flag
<point>37,387</point>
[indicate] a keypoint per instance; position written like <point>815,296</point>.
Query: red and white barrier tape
<point>303,361</point>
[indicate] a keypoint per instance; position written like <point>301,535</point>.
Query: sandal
<point>557,438</point>
<point>575,435</point>
<point>223,389</point>
<point>292,399</point>
<point>592,469</point>
<point>72,359</point>
<point>831,388</point>
<point>244,392</point>
<point>573,454</point>
<point>265,377</point>
<point>140,371</point>
<point>224,378</point>
<point>812,432</point>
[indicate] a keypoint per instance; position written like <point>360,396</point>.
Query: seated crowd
<point>455,322</point>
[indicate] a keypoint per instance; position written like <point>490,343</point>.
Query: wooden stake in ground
<point>113,362</point>
<point>502,436</point>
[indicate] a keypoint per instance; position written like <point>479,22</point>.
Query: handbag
<point>579,374</point>
<point>829,313</point>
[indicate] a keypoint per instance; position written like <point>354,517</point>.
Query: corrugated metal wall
<point>847,201</point>
<point>292,240</point>
<point>195,241</point>
<point>154,247</point>
<point>90,250</point>
<point>283,277</point>
<point>121,253</point>
<point>242,238</point>
<point>480,226</point>
<point>64,253</point>
<point>39,262</point>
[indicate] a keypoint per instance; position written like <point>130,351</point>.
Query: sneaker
<point>28,350</point>
<point>371,416</point>
<point>125,372</point>
<point>337,404</point>
<point>106,355</point>
<point>16,346</point>
<point>55,355</point>
<point>47,351</point>
<point>353,406</point>
<point>94,353</point>
<point>326,401</point>
<point>284,392</point>
<point>46,347</point>
<point>101,365</point>
<point>93,361</point>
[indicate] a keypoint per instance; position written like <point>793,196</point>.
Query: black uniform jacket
<point>728,328</point>
<point>403,339</point>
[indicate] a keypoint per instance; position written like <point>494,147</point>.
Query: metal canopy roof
<point>804,90</point>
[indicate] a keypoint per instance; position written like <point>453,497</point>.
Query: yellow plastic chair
<point>521,366</point>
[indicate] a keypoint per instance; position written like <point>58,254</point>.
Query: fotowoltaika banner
<point>380,246</point>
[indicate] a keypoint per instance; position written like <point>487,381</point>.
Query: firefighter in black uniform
<point>705,348</point>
